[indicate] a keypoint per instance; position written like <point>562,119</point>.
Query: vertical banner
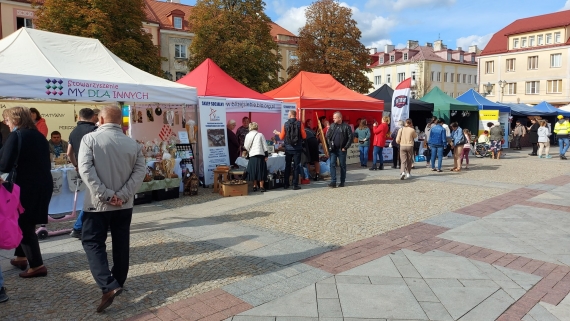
<point>486,116</point>
<point>400,106</point>
<point>213,136</point>
<point>506,125</point>
<point>285,108</point>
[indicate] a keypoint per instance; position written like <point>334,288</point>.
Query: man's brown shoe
<point>107,299</point>
<point>22,264</point>
<point>39,272</point>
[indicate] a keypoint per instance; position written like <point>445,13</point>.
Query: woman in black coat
<point>233,142</point>
<point>35,181</point>
<point>533,136</point>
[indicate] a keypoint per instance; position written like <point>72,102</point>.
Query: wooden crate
<point>233,189</point>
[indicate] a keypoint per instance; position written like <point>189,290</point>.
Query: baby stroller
<point>482,150</point>
<point>42,232</point>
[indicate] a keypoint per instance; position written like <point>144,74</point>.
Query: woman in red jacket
<point>380,132</point>
<point>39,121</point>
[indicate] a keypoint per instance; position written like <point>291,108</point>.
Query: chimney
<point>173,1</point>
<point>388,48</point>
<point>459,49</point>
<point>438,45</point>
<point>429,44</point>
<point>412,44</point>
<point>473,49</point>
<point>372,50</point>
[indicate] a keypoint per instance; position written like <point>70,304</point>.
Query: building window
<point>531,41</point>
<point>461,58</point>
<point>451,79</point>
<point>438,76</point>
<point>180,75</point>
<point>557,37</point>
<point>473,58</point>
<point>511,89</point>
<point>377,80</point>
<point>475,79</point>
<point>548,38</point>
<point>405,56</point>
<point>392,58</point>
<point>533,62</point>
<point>540,40</point>
<point>469,79</point>
<point>459,78</point>
<point>388,79</point>
<point>555,60</point>
<point>180,51</point>
<point>532,87</point>
<point>464,78</point>
<point>444,77</point>
<point>401,76</point>
<point>177,23</point>
<point>489,67</point>
<point>413,75</point>
<point>511,64</point>
<point>381,60</point>
<point>554,86</point>
<point>515,43</point>
<point>523,42</point>
<point>24,23</point>
<point>432,76</point>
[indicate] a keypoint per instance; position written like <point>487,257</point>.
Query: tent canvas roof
<point>526,110</point>
<point>79,69</point>
<point>473,97</point>
<point>443,102</point>
<point>546,107</point>
<point>322,91</point>
<point>386,93</point>
<point>211,80</point>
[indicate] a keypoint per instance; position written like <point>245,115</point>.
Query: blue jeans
<point>377,154</point>
<point>337,153</point>
<point>79,222</point>
<point>436,150</point>
<point>363,155</point>
<point>563,145</point>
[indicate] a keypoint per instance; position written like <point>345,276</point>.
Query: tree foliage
<point>329,43</point>
<point>236,35</point>
<point>117,24</point>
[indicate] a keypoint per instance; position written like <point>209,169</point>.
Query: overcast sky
<point>459,23</point>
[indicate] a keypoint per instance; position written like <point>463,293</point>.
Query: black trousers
<point>517,141</point>
<point>29,246</point>
<point>534,148</point>
<point>294,157</point>
<point>396,161</point>
<point>93,237</point>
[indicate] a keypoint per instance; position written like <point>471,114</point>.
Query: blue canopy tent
<point>474,98</point>
<point>546,107</point>
<point>523,110</point>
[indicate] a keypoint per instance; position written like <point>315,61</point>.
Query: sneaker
<point>332,185</point>
<point>296,187</point>
<point>539,156</point>
<point>563,157</point>
<point>3,296</point>
<point>373,168</point>
<point>408,175</point>
<point>305,181</point>
<point>341,185</point>
<point>402,175</point>
<point>548,156</point>
<point>75,233</point>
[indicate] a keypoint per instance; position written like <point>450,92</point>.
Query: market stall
<point>489,112</point>
<point>453,110</point>
<point>221,98</point>
<point>39,66</point>
<point>321,94</point>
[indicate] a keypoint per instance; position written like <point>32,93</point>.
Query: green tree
<point>235,34</point>
<point>117,24</point>
<point>329,43</point>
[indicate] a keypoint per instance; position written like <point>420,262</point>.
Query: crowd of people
<point>25,162</point>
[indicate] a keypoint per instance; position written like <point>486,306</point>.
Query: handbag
<point>10,208</point>
<point>462,141</point>
<point>250,146</point>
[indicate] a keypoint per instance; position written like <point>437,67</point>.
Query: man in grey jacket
<point>113,167</point>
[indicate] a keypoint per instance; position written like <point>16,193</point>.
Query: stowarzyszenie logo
<point>54,87</point>
<point>401,101</point>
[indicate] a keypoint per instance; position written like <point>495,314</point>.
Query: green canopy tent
<point>453,110</point>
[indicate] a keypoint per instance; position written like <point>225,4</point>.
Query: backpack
<point>292,133</point>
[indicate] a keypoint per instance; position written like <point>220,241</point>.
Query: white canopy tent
<point>36,64</point>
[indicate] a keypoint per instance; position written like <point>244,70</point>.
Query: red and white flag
<point>401,102</point>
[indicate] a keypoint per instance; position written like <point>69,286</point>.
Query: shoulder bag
<point>10,207</point>
<point>250,146</point>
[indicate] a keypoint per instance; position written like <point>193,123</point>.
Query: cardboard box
<point>142,198</point>
<point>233,189</point>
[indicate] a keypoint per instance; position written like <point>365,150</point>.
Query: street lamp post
<point>502,84</point>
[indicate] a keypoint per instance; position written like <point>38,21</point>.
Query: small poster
<point>286,107</point>
<point>183,137</point>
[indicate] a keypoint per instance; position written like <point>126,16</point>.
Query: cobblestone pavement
<point>212,258</point>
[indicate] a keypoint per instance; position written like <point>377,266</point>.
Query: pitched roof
<point>499,43</point>
<point>417,53</point>
<point>278,30</point>
<point>161,11</point>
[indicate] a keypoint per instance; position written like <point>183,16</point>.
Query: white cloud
<point>480,41</point>
<point>399,5</point>
<point>293,19</point>
<point>279,6</point>
<point>566,6</point>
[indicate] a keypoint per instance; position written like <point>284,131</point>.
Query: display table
<point>274,163</point>
<point>62,197</point>
<point>177,171</point>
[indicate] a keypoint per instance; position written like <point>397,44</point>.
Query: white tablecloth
<point>177,171</point>
<point>274,163</point>
<point>63,202</point>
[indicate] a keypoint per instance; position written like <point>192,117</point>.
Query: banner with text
<point>285,111</point>
<point>236,105</point>
<point>486,116</point>
<point>400,106</point>
<point>212,113</point>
